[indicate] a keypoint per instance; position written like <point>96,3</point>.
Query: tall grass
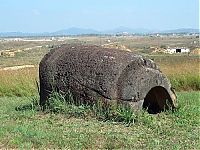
<point>18,82</point>
<point>182,71</point>
<point>185,82</point>
<point>102,110</point>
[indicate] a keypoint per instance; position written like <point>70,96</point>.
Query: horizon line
<point>98,30</point>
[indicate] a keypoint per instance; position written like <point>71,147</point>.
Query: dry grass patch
<point>20,82</point>
<point>182,71</point>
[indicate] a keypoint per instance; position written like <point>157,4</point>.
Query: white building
<point>177,50</point>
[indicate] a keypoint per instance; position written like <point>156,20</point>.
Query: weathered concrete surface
<point>90,72</point>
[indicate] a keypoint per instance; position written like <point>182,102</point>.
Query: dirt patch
<point>196,51</point>
<point>17,67</point>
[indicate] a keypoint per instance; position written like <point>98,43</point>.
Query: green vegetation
<point>102,110</point>
<point>185,82</point>
<point>18,82</point>
<point>66,124</point>
<point>24,126</point>
<point>183,71</point>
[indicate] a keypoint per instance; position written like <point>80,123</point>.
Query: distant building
<point>177,50</point>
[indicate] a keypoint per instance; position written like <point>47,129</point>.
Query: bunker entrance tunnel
<point>157,100</point>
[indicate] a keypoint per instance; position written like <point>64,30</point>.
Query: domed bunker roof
<point>90,72</point>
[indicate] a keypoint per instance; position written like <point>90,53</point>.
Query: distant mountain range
<point>82,31</point>
<point>182,30</point>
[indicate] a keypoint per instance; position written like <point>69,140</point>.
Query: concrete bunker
<point>90,72</point>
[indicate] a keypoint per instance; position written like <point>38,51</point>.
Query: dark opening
<point>178,50</point>
<point>157,100</point>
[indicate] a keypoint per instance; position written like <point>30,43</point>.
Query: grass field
<point>182,71</point>
<point>24,126</point>
<point>28,128</point>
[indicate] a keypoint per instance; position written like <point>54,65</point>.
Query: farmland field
<point>22,125</point>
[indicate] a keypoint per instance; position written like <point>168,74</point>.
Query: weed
<point>125,114</point>
<point>59,103</point>
<point>34,105</point>
<point>56,102</point>
<point>102,110</point>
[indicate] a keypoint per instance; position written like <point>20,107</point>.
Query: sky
<point>54,15</point>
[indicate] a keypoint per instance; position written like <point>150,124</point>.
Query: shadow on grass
<point>34,105</point>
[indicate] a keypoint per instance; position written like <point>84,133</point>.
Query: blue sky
<point>53,15</point>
